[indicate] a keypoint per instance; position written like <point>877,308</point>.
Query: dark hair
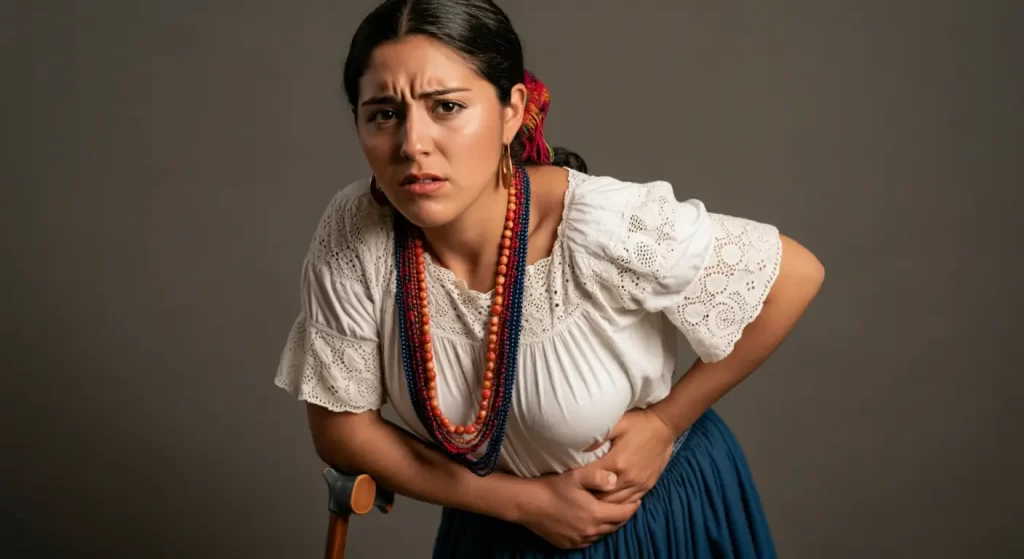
<point>478,29</point>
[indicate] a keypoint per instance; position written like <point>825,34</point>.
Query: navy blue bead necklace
<point>488,423</point>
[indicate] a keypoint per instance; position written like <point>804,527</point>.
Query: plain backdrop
<point>164,165</point>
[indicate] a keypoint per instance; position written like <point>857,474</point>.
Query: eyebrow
<point>392,100</point>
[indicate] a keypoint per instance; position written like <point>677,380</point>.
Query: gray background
<point>164,165</point>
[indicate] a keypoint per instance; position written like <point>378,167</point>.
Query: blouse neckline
<point>451,281</point>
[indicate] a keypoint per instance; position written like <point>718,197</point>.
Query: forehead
<point>416,63</point>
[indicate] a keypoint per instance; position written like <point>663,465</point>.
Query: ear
<point>513,113</point>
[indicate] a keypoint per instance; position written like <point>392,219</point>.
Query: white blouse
<point>631,265</point>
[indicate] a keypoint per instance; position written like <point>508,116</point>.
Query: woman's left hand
<point>641,448</point>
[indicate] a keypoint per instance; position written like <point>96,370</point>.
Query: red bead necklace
<point>502,335</point>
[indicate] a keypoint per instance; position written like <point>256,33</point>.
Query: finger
<point>624,495</point>
<point>612,527</point>
<point>613,513</point>
<point>583,542</point>
<point>591,540</point>
<point>597,479</point>
<point>605,529</point>
<point>595,446</point>
<point>595,476</point>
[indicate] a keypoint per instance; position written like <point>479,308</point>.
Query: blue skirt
<point>704,505</point>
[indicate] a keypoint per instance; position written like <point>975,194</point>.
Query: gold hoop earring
<point>506,168</point>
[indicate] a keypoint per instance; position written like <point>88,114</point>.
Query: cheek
<point>379,151</point>
<point>471,143</point>
<point>377,145</point>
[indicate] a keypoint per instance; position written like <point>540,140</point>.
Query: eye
<point>382,116</point>
<point>448,108</point>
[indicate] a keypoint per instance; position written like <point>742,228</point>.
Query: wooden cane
<point>350,494</point>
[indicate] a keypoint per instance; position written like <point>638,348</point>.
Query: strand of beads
<point>512,320</point>
<point>502,335</point>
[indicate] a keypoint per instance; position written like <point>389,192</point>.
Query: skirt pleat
<point>704,505</point>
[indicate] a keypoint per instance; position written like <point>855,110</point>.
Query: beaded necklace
<point>504,327</point>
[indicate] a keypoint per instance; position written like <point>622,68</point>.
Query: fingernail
<point>611,477</point>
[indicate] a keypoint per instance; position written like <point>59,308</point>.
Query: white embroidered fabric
<point>632,265</point>
<point>731,289</point>
<point>332,355</point>
<point>324,368</point>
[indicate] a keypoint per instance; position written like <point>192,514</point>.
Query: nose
<point>416,141</point>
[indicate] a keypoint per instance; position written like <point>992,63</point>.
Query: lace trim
<point>647,244</point>
<point>551,297</point>
<point>731,289</point>
<point>333,371</point>
<point>354,238</point>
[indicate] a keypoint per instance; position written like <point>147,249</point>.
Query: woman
<point>520,315</point>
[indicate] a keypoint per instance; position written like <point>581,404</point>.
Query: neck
<point>469,245</point>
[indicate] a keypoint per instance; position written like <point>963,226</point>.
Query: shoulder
<point>606,216</point>
<point>634,244</point>
<point>649,248</point>
<point>353,232</point>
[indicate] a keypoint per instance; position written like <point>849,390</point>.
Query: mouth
<point>423,183</point>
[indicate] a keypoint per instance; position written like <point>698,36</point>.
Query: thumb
<point>597,479</point>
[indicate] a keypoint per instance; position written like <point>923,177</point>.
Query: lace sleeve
<point>637,246</point>
<point>337,372</point>
<point>332,354</point>
<point>731,288</point>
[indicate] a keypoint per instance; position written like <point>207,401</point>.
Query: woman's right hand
<point>566,512</point>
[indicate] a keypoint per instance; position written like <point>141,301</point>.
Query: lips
<point>420,178</point>
<point>423,184</point>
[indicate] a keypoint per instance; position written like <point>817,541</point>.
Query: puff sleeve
<point>709,274</point>
<point>332,355</point>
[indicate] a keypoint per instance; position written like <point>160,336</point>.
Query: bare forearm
<point>405,465</point>
<point>706,383</point>
<point>799,280</point>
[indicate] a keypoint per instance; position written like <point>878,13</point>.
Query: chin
<point>427,214</point>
